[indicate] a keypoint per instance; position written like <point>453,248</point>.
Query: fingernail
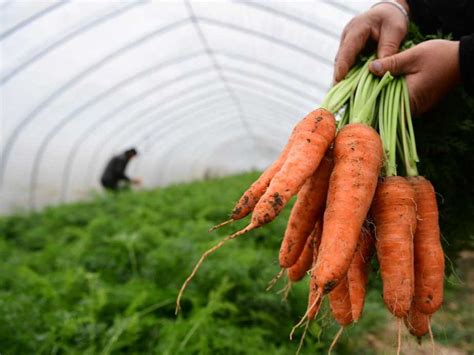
<point>376,67</point>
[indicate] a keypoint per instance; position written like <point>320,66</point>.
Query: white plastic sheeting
<point>200,88</point>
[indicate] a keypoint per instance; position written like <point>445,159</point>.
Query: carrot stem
<point>406,98</point>
<point>362,115</point>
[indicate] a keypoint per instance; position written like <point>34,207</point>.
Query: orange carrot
<point>249,199</point>
<point>358,273</point>
<point>395,222</point>
<point>308,144</point>
<point>417,322</point>
<point>297,271</point>
<point>306,211</point>
<point>429,256</point>
<point>312,140</point>
<point>358,159</point>
<point>315,296</point>
<point>340,303</point>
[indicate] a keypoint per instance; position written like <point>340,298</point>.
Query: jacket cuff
<point>466,62</point>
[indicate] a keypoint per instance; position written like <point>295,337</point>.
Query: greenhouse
<point>129,129</point>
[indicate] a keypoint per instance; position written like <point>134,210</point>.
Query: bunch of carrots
<point>358,194</point>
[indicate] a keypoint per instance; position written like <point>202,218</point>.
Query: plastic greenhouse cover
<point>201,88</point>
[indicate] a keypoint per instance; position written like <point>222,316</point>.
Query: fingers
<point>352,44</point>
<point>390,39</point>
<point>398,64</point>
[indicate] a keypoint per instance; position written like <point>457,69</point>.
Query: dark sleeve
<point>119,169</point>
<point>422,14</point>
<point>466,62</point>
<point>456,18</point>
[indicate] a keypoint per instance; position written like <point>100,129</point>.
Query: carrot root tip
<point>275,279</point>
<point>201,260</point>
<point>336,338</point>
<point>217,226</point>
<point>399,346</point>
<point>300,345</point>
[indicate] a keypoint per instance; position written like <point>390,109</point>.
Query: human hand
<point>431,69</point>
<point>383,23</point>
<point>136,181</point>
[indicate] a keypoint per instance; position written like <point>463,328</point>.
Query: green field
<point>101,277</point>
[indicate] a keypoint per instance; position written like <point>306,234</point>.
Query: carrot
<point>358,273</point>
<point>297,271</point>
<point>309,142</point>
<point>417,322</point>
<point>340,303</point>
<point>318,122</point>
<point>357,162</point>
<point>306,211</point>
<point>429,256</point>
<point>315,297</point>
<point>312,140</point>
<point>395,222</point>
<point>250,197</point>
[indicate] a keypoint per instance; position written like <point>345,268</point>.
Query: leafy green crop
<point>101,277</point>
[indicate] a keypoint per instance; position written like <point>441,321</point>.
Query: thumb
<point>396,64</point>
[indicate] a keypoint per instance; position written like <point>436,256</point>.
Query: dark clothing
<point>115,172</point>
<point>450,16</point>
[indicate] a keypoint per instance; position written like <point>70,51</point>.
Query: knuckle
<point>399,29</point>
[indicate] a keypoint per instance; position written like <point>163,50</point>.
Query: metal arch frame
<point>77,78</point>
<point>284,100</point>
<point>159,113</point>
<point>177,120</point>
<point>268,65</point>
<point>209,124</point>
<point>147,128</point>
<point>80,109</point>
<point>241,72</point>
<point>184,136</point>
<point>217,67</point>
<point>171,148</point>
<point>260,77</point>
<point>148,136</point>
<point>205,156</point>
<point>126,123</point>
<point>52,133</point>
<point>289,17</point>
<point>115,134</point>
<point>157,67</point>
<point>82,138</point>
<point>221,24</point>
<point>217,144</point>
<point>210,151</point>
<point>263,106</point>
<point>121,126</point>
<point>29,20</point>
<point>45,50</point>
<point>160,174</point>
<point>104,118</point>
<point>73,81</point>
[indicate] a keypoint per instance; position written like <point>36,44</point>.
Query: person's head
<point>130,153</point>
